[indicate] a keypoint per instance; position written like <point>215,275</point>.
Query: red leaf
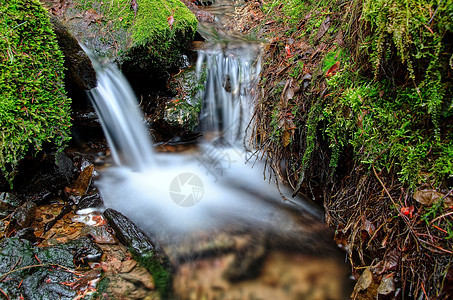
<point>333,69</point>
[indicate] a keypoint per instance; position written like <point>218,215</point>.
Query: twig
<point>4,293</point>
<point>20,269</point>
<point>12,268</point>
<point>434,14</point>
<point>447,214</point>
<point>40,265</point>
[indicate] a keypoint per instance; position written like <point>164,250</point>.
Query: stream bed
<point>229,233</point>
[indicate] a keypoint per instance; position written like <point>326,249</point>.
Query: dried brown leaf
<point>368,227</point>
<point>323,29</point>
<point>364,281</point>
<point>387,285</point>
<point>81,185</point>
<point>429,197</point>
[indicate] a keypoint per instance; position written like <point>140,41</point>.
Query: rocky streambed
<point>66,246</point>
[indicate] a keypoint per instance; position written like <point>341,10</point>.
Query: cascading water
<point>182,193</point>
<point>121,119</point>
<point>232,77</point>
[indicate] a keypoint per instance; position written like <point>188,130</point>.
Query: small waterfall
<point>232,77</point>
<point>172,195</point>
<point>121,119</point>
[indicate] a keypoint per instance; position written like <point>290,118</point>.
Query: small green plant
<point>297,70</point>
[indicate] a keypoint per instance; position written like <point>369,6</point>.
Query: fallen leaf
<point>286,137</point>
<point>368,227</point>
<point>387,285</point>
<point>82,183</point>
<point>390,262</point>
<point>364,281</point>
<point>333,69</point>
<point>288,50</point>
<point>91,16</point>
<point>341,238</point>
<point>323,28</point>
<point>429,197</point>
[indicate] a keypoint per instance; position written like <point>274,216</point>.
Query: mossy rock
<point>183,110</point>
<point>34,108</point>
<point>146,42</point>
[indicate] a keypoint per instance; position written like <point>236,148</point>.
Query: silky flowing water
<point>212,209</point>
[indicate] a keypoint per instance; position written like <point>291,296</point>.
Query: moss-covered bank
<point>356,106</point>
<point>34,108</point>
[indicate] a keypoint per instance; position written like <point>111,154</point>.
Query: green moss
<point>378,129</point>
<point>33,105</point>
<point>163,27</point>
<point>389,128</point>
<point>396,111</point>
<point>161,271</point>
<point>400,122</point>
<point>184,109</point>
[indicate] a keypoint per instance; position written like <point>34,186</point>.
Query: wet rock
<point>147,252</point>
<point>43,179</point>
<point>100,234</point>
<point>16,257</point>
<point>86,129</point>
<point>8,202</point>
<point>27,234</point>
<point>46,284</point>
<point>71,254</point>
<point>22,217</point>
<point>79,74</point>
<point>183,111</point>
<point>43,273</point>
<point>90,201</point>
<point>141,40</point>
